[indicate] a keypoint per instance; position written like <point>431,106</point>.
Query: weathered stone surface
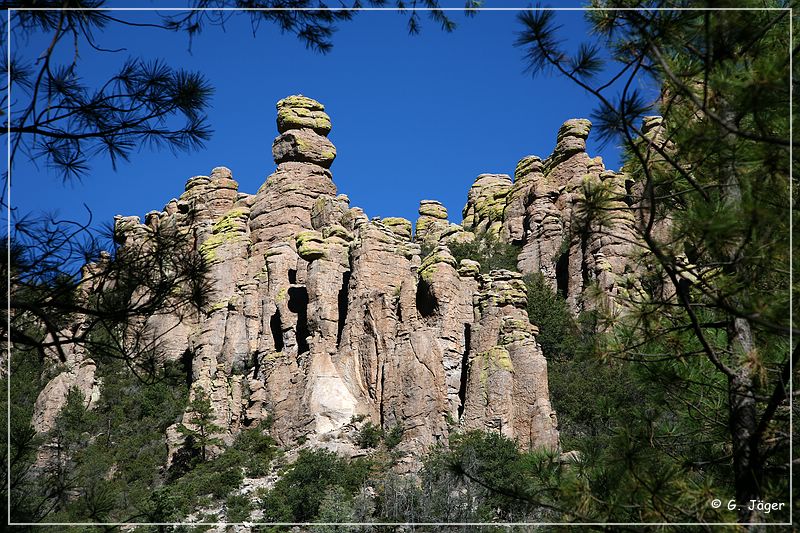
<point>432,222</point>
<point>297,112</point>
<point>433,208</point>
<point>303,145</point>
<point>327,210</point>
<point>507,373</point>
<point>283,205</point>
<point>310,245</point>
<point>486,202</point>
<point>470,268</point>
<point>318,313</point>
<point>572,137</point>
<point>545,214</point>
<point>399,226</point>
<point>53,397</point>
<point>523,192</point>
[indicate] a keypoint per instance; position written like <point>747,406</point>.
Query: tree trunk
<point>747,465</point>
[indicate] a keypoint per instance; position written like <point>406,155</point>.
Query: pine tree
<point>709,331</point>
<point>201,429</point>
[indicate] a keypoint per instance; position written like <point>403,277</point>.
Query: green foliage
<point>702,335</point>
<point>336,506</point>
<point>369,436</point>
<point>112,454</point>
<point>26,368</point>
<point>559,335</point>
<point>252,454</point>
<point>394,436</point>
<point>200,435</point>
<point>237,508</point>
<point>478,477</point>
<point>298,494</point>
<point>258,450</point>
<point>488,250</point>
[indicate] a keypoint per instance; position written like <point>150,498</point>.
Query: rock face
<point>318,314</point>
<point>548,213</point>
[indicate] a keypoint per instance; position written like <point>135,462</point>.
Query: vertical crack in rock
<point>277,332</point>
<point>462,390</point>
<point>298,304</point>
<point>562,274</point>
<point>383,404</point>
<point>342,302</point>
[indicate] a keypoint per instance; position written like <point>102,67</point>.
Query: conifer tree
<point>709,326</point>
<point>201,431</point>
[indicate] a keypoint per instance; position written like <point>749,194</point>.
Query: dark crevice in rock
<point>186,366</point>
<point>292,276</point>
<point>277,333</point>
<point>462,390</point>
<point>383,380</point>
<point>426,301</point>
<point>562,274</point>
<point>256,365</point>
<point>298,304</point>
<point>344,296</point>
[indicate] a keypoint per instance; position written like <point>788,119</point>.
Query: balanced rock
<point>572,136</point>
<point>304,146</point>
<point>297,112</point>
<point>433,208</point>
<point>432,222</point>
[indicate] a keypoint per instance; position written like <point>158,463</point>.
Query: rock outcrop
<point>317,314</point>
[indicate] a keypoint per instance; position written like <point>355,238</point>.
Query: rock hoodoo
<point>319,314</point>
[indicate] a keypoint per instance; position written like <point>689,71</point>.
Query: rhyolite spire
<point>303,126</point>
<point>323,319</point>
<point>283,205</point>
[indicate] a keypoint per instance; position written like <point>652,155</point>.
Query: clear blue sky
<point>414,117</point>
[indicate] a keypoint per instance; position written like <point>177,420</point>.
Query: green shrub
<point>490,251</point>
<point>559,335</point>
<point>251,453</point>
<point>258,448</point>
<point>369,436</point>
<point>336,506</point>
<point>298,494</point>
<point>237,508</point>
<point>394,436</point>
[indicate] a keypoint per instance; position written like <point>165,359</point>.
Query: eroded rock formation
<point>318,314</point>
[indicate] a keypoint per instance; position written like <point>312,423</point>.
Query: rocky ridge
<point>319,314</point>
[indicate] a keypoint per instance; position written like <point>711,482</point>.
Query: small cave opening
<point>462,389</point>
<point>186,366</point>
<point>292,276</point>
<point>344,296</point>
<point>298,304</point>
<point>426,301</point>
<point>277,332</point>
<point>562,274</point>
